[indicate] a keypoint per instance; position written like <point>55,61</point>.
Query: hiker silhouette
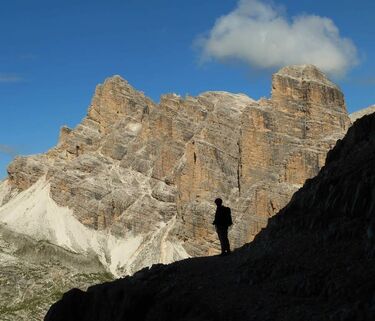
<point>222,221</point>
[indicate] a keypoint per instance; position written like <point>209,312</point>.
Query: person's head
<point>218,201</point>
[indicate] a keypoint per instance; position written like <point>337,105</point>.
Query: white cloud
<point>258,34</point>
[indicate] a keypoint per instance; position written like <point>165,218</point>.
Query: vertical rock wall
<point>136,167</point>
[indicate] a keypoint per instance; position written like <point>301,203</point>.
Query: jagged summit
<point>114,99</point>
<point>306,73</point>
<point>309,83</point>
<point>115,78</point>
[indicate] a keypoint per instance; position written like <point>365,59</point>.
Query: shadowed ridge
<point>314,261</point>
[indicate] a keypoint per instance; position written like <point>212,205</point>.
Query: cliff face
<point>145,175</point>
<point>314,261</point>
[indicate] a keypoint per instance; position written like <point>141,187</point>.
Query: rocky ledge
<point>314,261</point>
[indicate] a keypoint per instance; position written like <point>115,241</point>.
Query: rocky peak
<point>306,73</point>
<point>116,99</point>
<point>306,82</point>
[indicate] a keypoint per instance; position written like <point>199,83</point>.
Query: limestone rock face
<point>314,261</point>
<point>360,113</point>
<point>284,140</point>
<point>136,168</point>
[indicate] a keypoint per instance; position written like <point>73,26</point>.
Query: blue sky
<point>54,53</point>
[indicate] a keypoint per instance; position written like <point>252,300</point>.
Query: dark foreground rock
<point>314,261</point>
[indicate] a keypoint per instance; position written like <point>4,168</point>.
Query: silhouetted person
<point>222,221</point>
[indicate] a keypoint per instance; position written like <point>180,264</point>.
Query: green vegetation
<point>34,275</point>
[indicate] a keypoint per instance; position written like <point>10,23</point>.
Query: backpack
<point>228,216</point>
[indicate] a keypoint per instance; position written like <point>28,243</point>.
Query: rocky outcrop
<point>314,261</point>
<point>139,170</point>
<point>360,113</point>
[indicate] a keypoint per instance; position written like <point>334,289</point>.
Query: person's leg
<point>226,241</point>
<point>221,236</point>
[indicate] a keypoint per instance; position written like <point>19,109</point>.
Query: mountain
<point>314,261</point>
<point>360,113</point>
<point>134,183</point>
